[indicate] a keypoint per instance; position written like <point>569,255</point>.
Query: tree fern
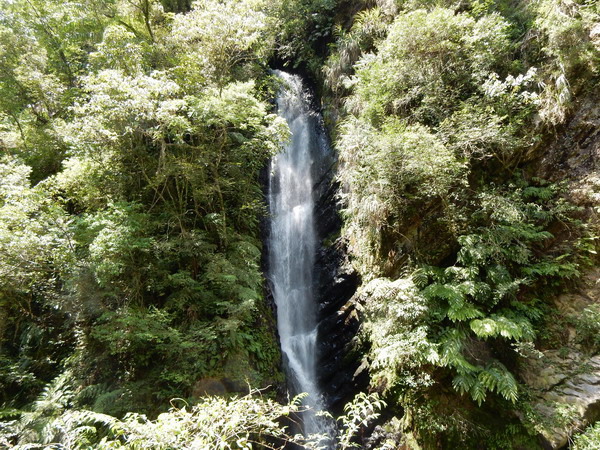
<point>480,296</point>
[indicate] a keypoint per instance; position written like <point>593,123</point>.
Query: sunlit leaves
<point>35,237</point>
<point>564,28</point>
<point>509,327</point>
<point>121,104</point>
<point>369,26</point>
<point>394,322</point>
<point>149,129</point>
<point>428,63</point>
<point>387,171</point>
<point>120,49</point>
<point>214,423</point>
<point>216,36</point>
<point>119,247</point>
<point>361,411</point>
<point>480,298</point>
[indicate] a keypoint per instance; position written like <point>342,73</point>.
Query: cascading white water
<point>292,244</point>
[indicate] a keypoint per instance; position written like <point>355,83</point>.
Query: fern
<point>463,382</point>
<point>508,289</point>
<point>557,267</point>
<point>481,295</point>
<point>494,378</point>
<point>478,392</point>
<point>498,379</point>
<point>447,292</point>
<point>358,413</point>
<point>508,387</point>
<point>477,290</point>
<point>450,351</point>
<point>515,328</point>
<point>462,310</point>
<point>89,394</point>
<point>484,328</point>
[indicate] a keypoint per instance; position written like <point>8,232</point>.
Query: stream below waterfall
<point>293,244</point>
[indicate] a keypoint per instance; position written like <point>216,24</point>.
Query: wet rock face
<point>565,382</point>
<point>338,326</point>
<point>574,154</point>
<point>338,359</point>
<point>572,401</point>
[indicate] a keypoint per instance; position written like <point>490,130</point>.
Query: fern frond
<point>508,326</point>
<point>497,378</point>
<point>478,392</point>
<point>462,310</point>
<point>484,328</point>
<point>463,382</point>
<point>509,288</point>
<point>449,292</point>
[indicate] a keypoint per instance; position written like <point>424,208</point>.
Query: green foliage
<point>427,64</point>
<point>361,411</point>
<point>485,287</point>
<point>15,378</point>
<point>304,25</point>
<point>133,133</point>
<point>570,56</point>
<point>140,338</point>
<point>119,248</point>
<point>389,172</point>
<point>120,49</point>
<point>44,49</point>
<point>493,126</point>
<point>214,422</point>
<point>36,250</point>
<point>394,323</point>
<point>35,239</point>
<point>62,29</point>
<point>588,327</point>
<point>33,426</point>
<point>369,26</point>
<point>426,107</point>
<point>129,196</point>
<point>589,439</point>
<point>226,34</point>
<point>476,85</point>
<point>211,423</point>
<point>449,316</point>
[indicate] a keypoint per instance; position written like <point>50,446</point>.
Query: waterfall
<point>293,241</point>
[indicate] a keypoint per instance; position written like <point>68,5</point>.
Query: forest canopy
<point>133,134</point>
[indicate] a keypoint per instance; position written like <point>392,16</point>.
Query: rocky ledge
<point>565,382</point>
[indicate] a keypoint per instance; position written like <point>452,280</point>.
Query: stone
<point>566,382</point>
<point>209,386</point>
<point>336,284</point>
<point>580,395</point>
